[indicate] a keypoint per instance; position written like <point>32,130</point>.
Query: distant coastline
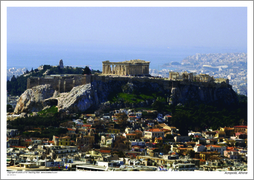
<point>93,58</point>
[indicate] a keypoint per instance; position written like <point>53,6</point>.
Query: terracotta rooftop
<point>138,131</point>
<point>90,115</point>
<point>19,146</point>
<point>69,129</point>
<point>191,142</point>
<point>241,126</point>
<point>65,137</point>
<point>215,146</point>
<point>105,151</point>
<point>239,133</point>
<point>230,148</point>
<point>155,130</point>
<point>130,134</point>
<point>228,128</point>
<point>87,125</point>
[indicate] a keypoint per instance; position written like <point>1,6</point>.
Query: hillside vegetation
<point>45,124</point>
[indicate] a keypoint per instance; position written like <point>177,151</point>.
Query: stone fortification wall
<point>167,84</point>
<point>61,83</point>
<point>67,82</point>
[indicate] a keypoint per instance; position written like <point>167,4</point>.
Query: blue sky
<point>36,34</point>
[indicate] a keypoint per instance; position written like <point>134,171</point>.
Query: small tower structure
<point>61,64</point>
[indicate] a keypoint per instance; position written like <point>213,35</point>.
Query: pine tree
<point>86,70</point>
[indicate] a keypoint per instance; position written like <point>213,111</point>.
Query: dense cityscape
<point>125,133</point>
<point>232,66</point>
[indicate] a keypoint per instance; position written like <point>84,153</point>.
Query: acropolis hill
<point>132,77</point>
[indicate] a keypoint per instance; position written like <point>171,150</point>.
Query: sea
<point>93,57</point>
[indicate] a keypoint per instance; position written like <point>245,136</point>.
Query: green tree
<point>122,118</point>
<point>191,153</point>
<point>14,79</point>
<point>86,70</point>
<point>169,136</point>
<point>9,108</point>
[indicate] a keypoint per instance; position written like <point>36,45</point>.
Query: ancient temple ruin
<point>192,77</point>
<point>132,67</point>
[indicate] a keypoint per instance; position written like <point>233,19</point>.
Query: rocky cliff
<point>79,99</point>
<point>32,100</point>
<point>83,97</point>
<point>202,94</point>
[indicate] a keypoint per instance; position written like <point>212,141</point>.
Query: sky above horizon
<point>36,33</point>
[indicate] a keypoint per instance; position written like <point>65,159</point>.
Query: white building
<point>153,133</point>
<point>199,148</point>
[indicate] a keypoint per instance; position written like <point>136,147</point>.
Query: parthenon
<point>131,67</point>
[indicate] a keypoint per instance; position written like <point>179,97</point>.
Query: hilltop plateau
<point>126,92</point>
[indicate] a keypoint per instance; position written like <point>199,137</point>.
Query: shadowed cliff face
<point>104,89</point>
<point>91,95</point>
<point>180,93</point>
<point>199,94</point>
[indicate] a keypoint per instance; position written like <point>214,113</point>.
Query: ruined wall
<point>59,83</point>
<point>66,83</point>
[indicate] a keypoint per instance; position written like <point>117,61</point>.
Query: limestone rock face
<point>94,94</point>
<point>80,98</point>
<point>32,99</point>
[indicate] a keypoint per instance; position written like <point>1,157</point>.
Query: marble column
<point>106,69</point>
